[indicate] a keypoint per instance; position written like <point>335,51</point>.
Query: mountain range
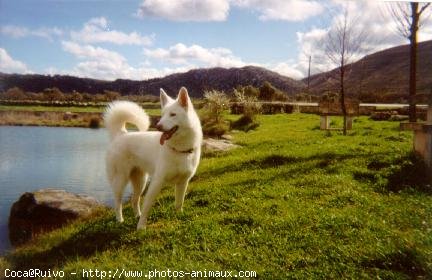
<point>381,76</point>
<point>197,81</point>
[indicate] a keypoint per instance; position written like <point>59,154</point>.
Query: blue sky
<point>152,38</point>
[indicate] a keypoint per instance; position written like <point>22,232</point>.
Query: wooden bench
<point>329,108</point>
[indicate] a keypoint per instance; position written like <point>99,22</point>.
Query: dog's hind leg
<point>119,183</point>
<point>138,181</point>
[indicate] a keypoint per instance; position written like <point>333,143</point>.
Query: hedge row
<point>267,108</point>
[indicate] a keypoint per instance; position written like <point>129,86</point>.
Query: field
<point>291,202</point>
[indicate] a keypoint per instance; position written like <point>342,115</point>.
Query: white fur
<point>136,156</point>
<point>120,112</point>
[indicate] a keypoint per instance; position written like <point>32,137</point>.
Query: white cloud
<point>311,44</point>
<point>287,69</point>
<point>426,32</point>
<point>90,52</point>
<point>47,32</point>
<point>372,17</point>
<point>288,10</point>
<point>96,30</point>
<point>9,65</point>
<point>14,31</point>
<point>217,10</point>
<point>195,54</point>
<point>96,62</point>
<point>100,63</point>
<point>185,10</point>
<point>20,32</point>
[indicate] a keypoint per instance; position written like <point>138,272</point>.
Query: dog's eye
<point>172,114</point>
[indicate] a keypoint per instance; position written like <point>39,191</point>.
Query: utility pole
<point>308,80</point>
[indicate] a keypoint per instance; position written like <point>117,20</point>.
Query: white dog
<point>170,156</point>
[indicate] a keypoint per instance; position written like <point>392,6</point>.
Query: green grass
<point>292,202</point>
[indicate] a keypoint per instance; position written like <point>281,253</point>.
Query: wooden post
<point>325,122</point>
<point>349,121</point>
<point>429,114</point>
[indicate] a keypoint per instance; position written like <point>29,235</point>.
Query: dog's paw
<point>141,226</point>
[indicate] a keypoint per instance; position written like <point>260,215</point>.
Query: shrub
<point>250,91</point>
<point>249,103</point>
<point>14,93</point>
<point>111,95</point>
<point>215,129</point>
<point>94,122</point>
<point>216,102</point>
<point>250,107</point>
<point>244,123</point>
<point>270,93</point>
<point>52,94</point>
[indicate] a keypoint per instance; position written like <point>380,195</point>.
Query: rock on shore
<point>218,145</point>
<point>45,210</point>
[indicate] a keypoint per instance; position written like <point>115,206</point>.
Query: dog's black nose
<point>159,127</point>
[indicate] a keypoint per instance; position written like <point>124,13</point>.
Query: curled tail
<point>118,113</point>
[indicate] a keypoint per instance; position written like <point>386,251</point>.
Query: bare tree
<point>407,17</point>
<point>343,44</point>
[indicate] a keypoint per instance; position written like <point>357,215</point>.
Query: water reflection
<point>39,157</point>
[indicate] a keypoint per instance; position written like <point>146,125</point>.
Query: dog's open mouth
<point>166,135</point>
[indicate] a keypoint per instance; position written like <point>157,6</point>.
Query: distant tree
<point>53,94</point>
<point>216,102</point>
<point>87,97</point>
<point>76,96</point>
<point>267,91</point>
<point>408,20</point>
<point>251,106</point>
<point>249,91</point>
<point>111,95</point>
<point>34,96</point>
<point>14,93</point>
<point>99,97</point>
<point>342,44</point>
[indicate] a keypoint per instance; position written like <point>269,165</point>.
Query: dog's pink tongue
<point>163,137</point>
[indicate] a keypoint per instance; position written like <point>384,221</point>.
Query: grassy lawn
<point>292,202</point>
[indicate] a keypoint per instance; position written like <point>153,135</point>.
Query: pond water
<point>32,158</point>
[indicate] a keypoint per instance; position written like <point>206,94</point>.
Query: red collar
<point>190,151</point>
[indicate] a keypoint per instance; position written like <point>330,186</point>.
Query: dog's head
<point>175,113</point>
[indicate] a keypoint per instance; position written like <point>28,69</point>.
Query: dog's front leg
<point>180,194</point>
<point>149,199</point>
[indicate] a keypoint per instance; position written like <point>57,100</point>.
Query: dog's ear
<point>183,98</point>
<point>164,98</point>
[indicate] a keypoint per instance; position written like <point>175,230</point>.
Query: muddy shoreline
<point>45,118</point>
